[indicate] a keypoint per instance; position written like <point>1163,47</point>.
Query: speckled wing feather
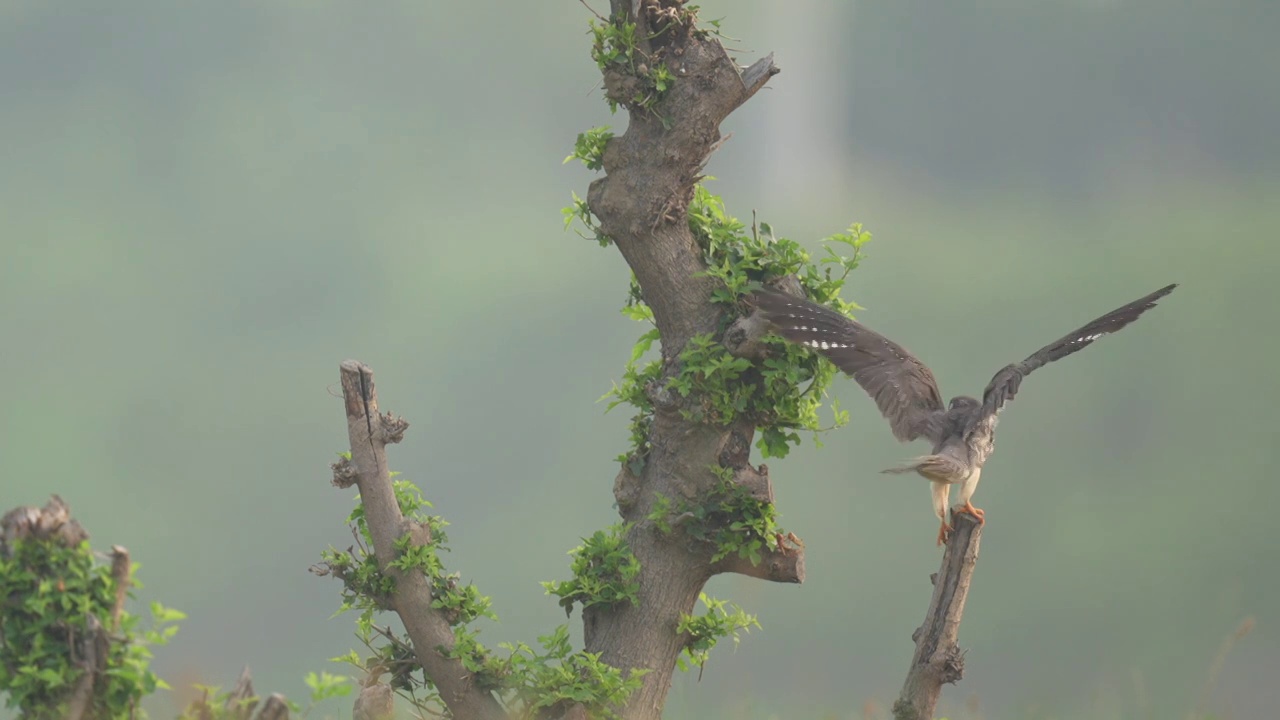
<point>902,387</point>
<point>1004,386</point>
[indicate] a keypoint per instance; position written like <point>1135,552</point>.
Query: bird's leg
<point>967,489</point>
<point>979,513</point>
<point>941,497</point>
<point>781,540</point>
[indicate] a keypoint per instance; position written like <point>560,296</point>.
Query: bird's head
<point>963,402</point>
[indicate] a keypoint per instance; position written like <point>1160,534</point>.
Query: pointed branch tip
<point>755,76</point>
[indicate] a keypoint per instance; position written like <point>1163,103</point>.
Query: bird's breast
<point>982,442</point>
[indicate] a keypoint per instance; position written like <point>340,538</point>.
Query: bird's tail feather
<point>934,467</point>
<point>907,467</point>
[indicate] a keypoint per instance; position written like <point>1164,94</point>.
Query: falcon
<point>963,431</point>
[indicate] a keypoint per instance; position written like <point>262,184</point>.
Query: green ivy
<point>711,376</point>
<point>614,44</point>
<point>782,393</point>
<point>729,518</point>
<point>589,147</point>
<point>558,678</point>
<point>660,513</point>
<point>367,589</point>
<point>615,47</point>
<point>487,672</point>
<point>723,619</point>
<point>528,682</point>
<point>323,686</point>
<point>579,211</point>
<point>637,380</point>
<point>49,592</point>
<point>605,572</point>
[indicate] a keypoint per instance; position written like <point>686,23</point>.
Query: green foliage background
<point>205,209</point>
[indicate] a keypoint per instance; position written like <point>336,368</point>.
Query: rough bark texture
<point>242,700</point>
<point>938,659</point>
<point>369,433</point>
<point>376,701</point>
<point>276,707</point>
<point>53,523</point>
<point>641,203</point>
<point>120,566</point>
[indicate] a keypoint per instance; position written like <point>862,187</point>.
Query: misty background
<point>205,207</point>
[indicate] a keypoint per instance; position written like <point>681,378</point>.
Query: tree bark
<point>938,659</point>
<point>242,700</point>
<point>369,433</point>
<point>641,203</point>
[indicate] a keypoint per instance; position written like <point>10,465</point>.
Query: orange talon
<point>943,532</point>
<point>976,512</point>
<point>796,543</point>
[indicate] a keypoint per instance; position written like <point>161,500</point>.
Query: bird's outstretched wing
<point>901,385</point>
<point>1004,385</point>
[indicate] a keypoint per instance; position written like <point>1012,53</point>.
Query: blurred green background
<point>205,207</point>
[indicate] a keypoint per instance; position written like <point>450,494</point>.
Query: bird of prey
<point>963,431</point>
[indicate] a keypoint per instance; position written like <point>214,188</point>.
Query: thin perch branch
<point>370,432</point>
<point>938,659</point>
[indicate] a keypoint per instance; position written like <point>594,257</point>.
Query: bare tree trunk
<point>938,659</point>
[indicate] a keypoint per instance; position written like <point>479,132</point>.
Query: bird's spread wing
<point>901,385</point>
<point>1004,385</point>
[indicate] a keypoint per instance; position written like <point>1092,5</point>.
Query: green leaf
<point>327,685</point>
